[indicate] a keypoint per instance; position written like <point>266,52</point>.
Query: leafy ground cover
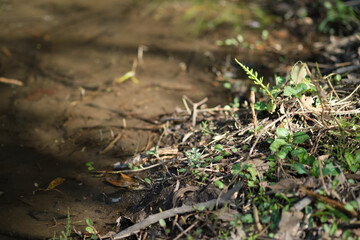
<point>283,167</point>
<point>280,161</point>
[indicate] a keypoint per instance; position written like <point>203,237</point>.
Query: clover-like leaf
<point>300,137</point>
<point>279,142</point>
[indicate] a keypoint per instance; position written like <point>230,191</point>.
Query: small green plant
<point>206,128</point>
<point>253,75</point>
<point>194,156</point>
<point>344,143</point>
<point>91,229</point>
<point>154,152</point>
<point>338,14</point>
<point>248,172</point>
<point>65,235</point>
<point>90,165</point>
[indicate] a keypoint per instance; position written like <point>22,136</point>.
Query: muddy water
<point>68,54</point>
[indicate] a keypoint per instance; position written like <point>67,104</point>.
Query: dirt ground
<point>68,54</point>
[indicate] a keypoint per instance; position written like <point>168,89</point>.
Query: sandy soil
<point>68,54</point>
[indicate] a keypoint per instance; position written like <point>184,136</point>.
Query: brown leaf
<point>285,184</point>
<point>181,192</point>
<point>56,182</point>
<point>227,215</point>
<point>307,102</point>
<point>125,181</point>
<point>289,225</point>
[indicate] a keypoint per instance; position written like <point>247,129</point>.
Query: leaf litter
<point>290,169</point>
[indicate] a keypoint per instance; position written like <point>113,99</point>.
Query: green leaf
<point>90,230</point>
<point>236,168</point>
<point>282,132</point>
<point>280,80</point>
<point>310,160</point>
<point>330,169</point>
<point>301,88</point>
<point>300,137</point>
<point>333,229</point>
<point>284,151</point>
<point>279,142</point>
<point>302,154</point>
<point>315,169</point>
<point>89,164</point>
<point>252,172</point>
<point>299,168</point>
<point>260,106</point>
<point>89,222</point>
<point>147,180</point>
<point>227,85</point>
<point>219,184</point>
<point>357,156</point>
<point>162,223</point>
<point>350,159</point>
<point>289,91</point>
<point>349,207</point>
<point>247,218</point>
<point>201,208</point>
<point>219,148</point>
<point>125,77</point>
<point>271,107</point>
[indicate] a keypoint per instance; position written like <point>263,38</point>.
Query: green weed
<point>66,234</point>
<point>338,16</point>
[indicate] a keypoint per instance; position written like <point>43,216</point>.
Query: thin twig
<point>195,106</point>
<point>186,230</point>
<point>174,211</point>
<point>111,145</point>
<point>322,178</point>
<point>11,81</point>
<point>252,103</point>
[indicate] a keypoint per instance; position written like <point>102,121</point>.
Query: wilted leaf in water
<point>54,183</point>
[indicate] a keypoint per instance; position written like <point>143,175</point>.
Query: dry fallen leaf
<point>289,225</point>
<point>298,72</point>
<point>124,182</point>
<point>307,102</point>
<point>56,182</point>
<point>285,184</point>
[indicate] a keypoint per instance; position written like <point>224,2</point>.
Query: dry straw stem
<point>11,81</point>
<point>195,106</point>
